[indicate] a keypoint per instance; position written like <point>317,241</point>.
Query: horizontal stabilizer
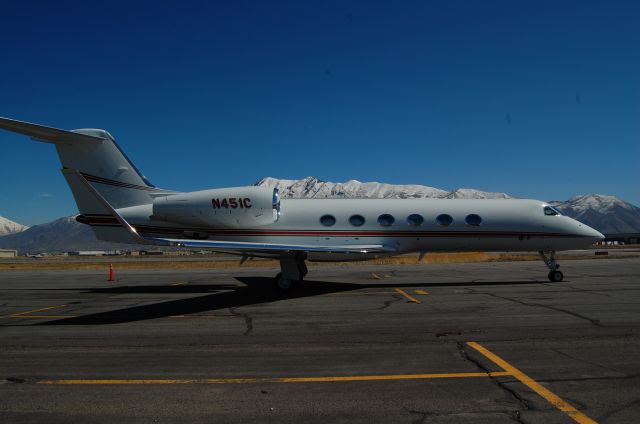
<point>47,134</point>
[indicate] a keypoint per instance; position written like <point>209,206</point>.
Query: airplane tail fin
<point>97,156</point>
<point>95,210</point>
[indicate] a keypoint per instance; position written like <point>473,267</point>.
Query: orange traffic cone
<point>111,272</point>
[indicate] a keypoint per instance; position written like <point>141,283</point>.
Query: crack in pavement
<point>426,417</point>
<point>620,408</point>
<point>247,319</point>
<point>422,418</point>
<point>593,321</point>
<point>516,414</point>
<point>579,289</point>
<point>611,377</point>
<point>558,351</point>
<point>387,303</point>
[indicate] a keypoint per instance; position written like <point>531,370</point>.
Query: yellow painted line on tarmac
<point>422,292</point>
<point>278,379</point>
<point>547,394</point>
<point>388,377</point>
<point>180,283</point>
<point>407,295</point>
<point>20,314</point>
<point>42,316</point>
<point>28,314</point>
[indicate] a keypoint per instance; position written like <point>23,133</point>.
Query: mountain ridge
<point>61,235</point>
<point>607,214</point>
<point>312,187</point>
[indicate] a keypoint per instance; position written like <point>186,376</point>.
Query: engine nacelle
<point>235,207</point>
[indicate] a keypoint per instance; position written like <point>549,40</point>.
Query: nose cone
<point>590,233</point>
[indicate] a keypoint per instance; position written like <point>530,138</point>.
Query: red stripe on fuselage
<point>302,233</point>
<point>108,220</point>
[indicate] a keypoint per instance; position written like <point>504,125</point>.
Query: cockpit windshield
<point>549,211</point>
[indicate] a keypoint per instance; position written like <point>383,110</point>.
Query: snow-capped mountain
<point>8,226</point>
<point>469,193</point>
<point>607,214</point>
<point>311,187</point>
<point>62,235</point>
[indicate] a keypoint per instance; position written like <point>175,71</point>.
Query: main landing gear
<point>293,269</point>
<point>555,276</point>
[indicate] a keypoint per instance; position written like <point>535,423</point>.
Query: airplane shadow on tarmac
<point>255,290</point>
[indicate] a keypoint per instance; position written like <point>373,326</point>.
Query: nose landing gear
<point>554,275</point>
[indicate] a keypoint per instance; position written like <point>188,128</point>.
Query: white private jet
<point>121,205</point>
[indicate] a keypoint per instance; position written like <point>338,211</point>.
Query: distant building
<point>5,253</point>
<point>626,238</point>
<point>87,253</point>
<point>150,252</point>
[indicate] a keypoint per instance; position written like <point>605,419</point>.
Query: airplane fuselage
<point>404,225</point>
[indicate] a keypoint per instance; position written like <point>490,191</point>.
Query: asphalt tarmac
<point>459,343</point>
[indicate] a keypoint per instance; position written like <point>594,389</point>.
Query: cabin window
<point>473,219</point>
<point>444,220</point>
<point>415,220</point>
<point>327,220</point>
<point>386,220</point>
<point>549,211</point>
<point>356,220</point>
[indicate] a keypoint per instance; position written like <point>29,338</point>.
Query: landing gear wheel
<point>283,284</point>
<point>555,276</point>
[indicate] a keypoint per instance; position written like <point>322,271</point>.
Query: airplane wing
<point>47,134</point>
<point>231,246</point>
<point>269,247</point>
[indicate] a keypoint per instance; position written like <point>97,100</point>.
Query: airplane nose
<point>591,233</point>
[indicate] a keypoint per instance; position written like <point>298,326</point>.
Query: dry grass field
<point>214,262</point>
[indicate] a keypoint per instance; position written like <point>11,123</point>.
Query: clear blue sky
<point>537,98</point>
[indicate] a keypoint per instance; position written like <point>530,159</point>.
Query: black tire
<point>283,285</point>
<point>555,276</point>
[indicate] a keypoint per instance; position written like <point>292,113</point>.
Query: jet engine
<point>236,207</point>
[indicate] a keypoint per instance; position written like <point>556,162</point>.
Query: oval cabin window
<point>356,220</point>
<point>444,220</point>
<point>386,220</point>
<point>473,219</point>
<point>415,220</point>
<point>327,220</point>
